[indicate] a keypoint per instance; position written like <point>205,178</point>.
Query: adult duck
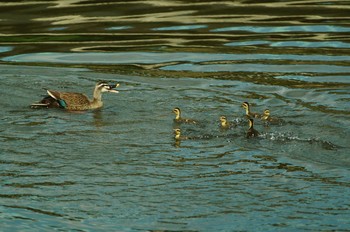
<point>76,101</point>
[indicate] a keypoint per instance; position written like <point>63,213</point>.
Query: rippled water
<point>119,168</point>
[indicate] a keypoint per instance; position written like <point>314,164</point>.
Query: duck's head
<point>177,133</point>
<point>267,112</point>
<point>245,105</point>
<point>223,119</point>
<point>105,87</point>
<point>177,111</point>
<point>251,123</point>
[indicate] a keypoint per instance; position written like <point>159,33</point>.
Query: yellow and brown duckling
<point>248,112</point>
<point>76,101</point>
<point>266,115</point>
<point>224,123</point>
<point>178,136</point>
<point>251,131</point>
<point>268,119</point>
<point>179,119</point>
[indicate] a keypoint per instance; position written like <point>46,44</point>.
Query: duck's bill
<point>112,90</point>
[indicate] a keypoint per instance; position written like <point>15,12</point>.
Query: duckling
<point>268,119</point>
<point>224,124</point>
<point>251,131</point>
<point>76,101</point>
<point>266,115</point>
<point>179,119</point>
<point>249,114</point>
<point>178,136</point>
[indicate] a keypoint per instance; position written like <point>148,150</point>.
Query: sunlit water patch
<point>259,68</point>
<point>5,48</point>
<point>308,44</point>
<point>336,78</point>
<point>117,28</point>
<point>57,28</point>
<point>287,29</point>
<point>304,44</point>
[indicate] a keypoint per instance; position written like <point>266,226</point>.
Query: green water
<point>120,169</point>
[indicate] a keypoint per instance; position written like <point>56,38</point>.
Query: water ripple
<point>86,171</point>
<point>286,29</point>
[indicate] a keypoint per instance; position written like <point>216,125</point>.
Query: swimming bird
<point>266,115</point>
<point>76,101</point>
<point>268,119</point>
<point>178,136</point>
<point>249,114</point>
<point>224,124</point>
<point>251,131</point>
<point>179,119</point>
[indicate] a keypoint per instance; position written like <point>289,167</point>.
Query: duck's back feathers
<point>252,133</point>
<point>66,100</point>
<point>185,120</point>
<point>69,100</point>
<point>179,119</point>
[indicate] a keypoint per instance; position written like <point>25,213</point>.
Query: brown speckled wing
<point>75,100</point>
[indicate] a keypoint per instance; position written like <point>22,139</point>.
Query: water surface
<point>119,168</point>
